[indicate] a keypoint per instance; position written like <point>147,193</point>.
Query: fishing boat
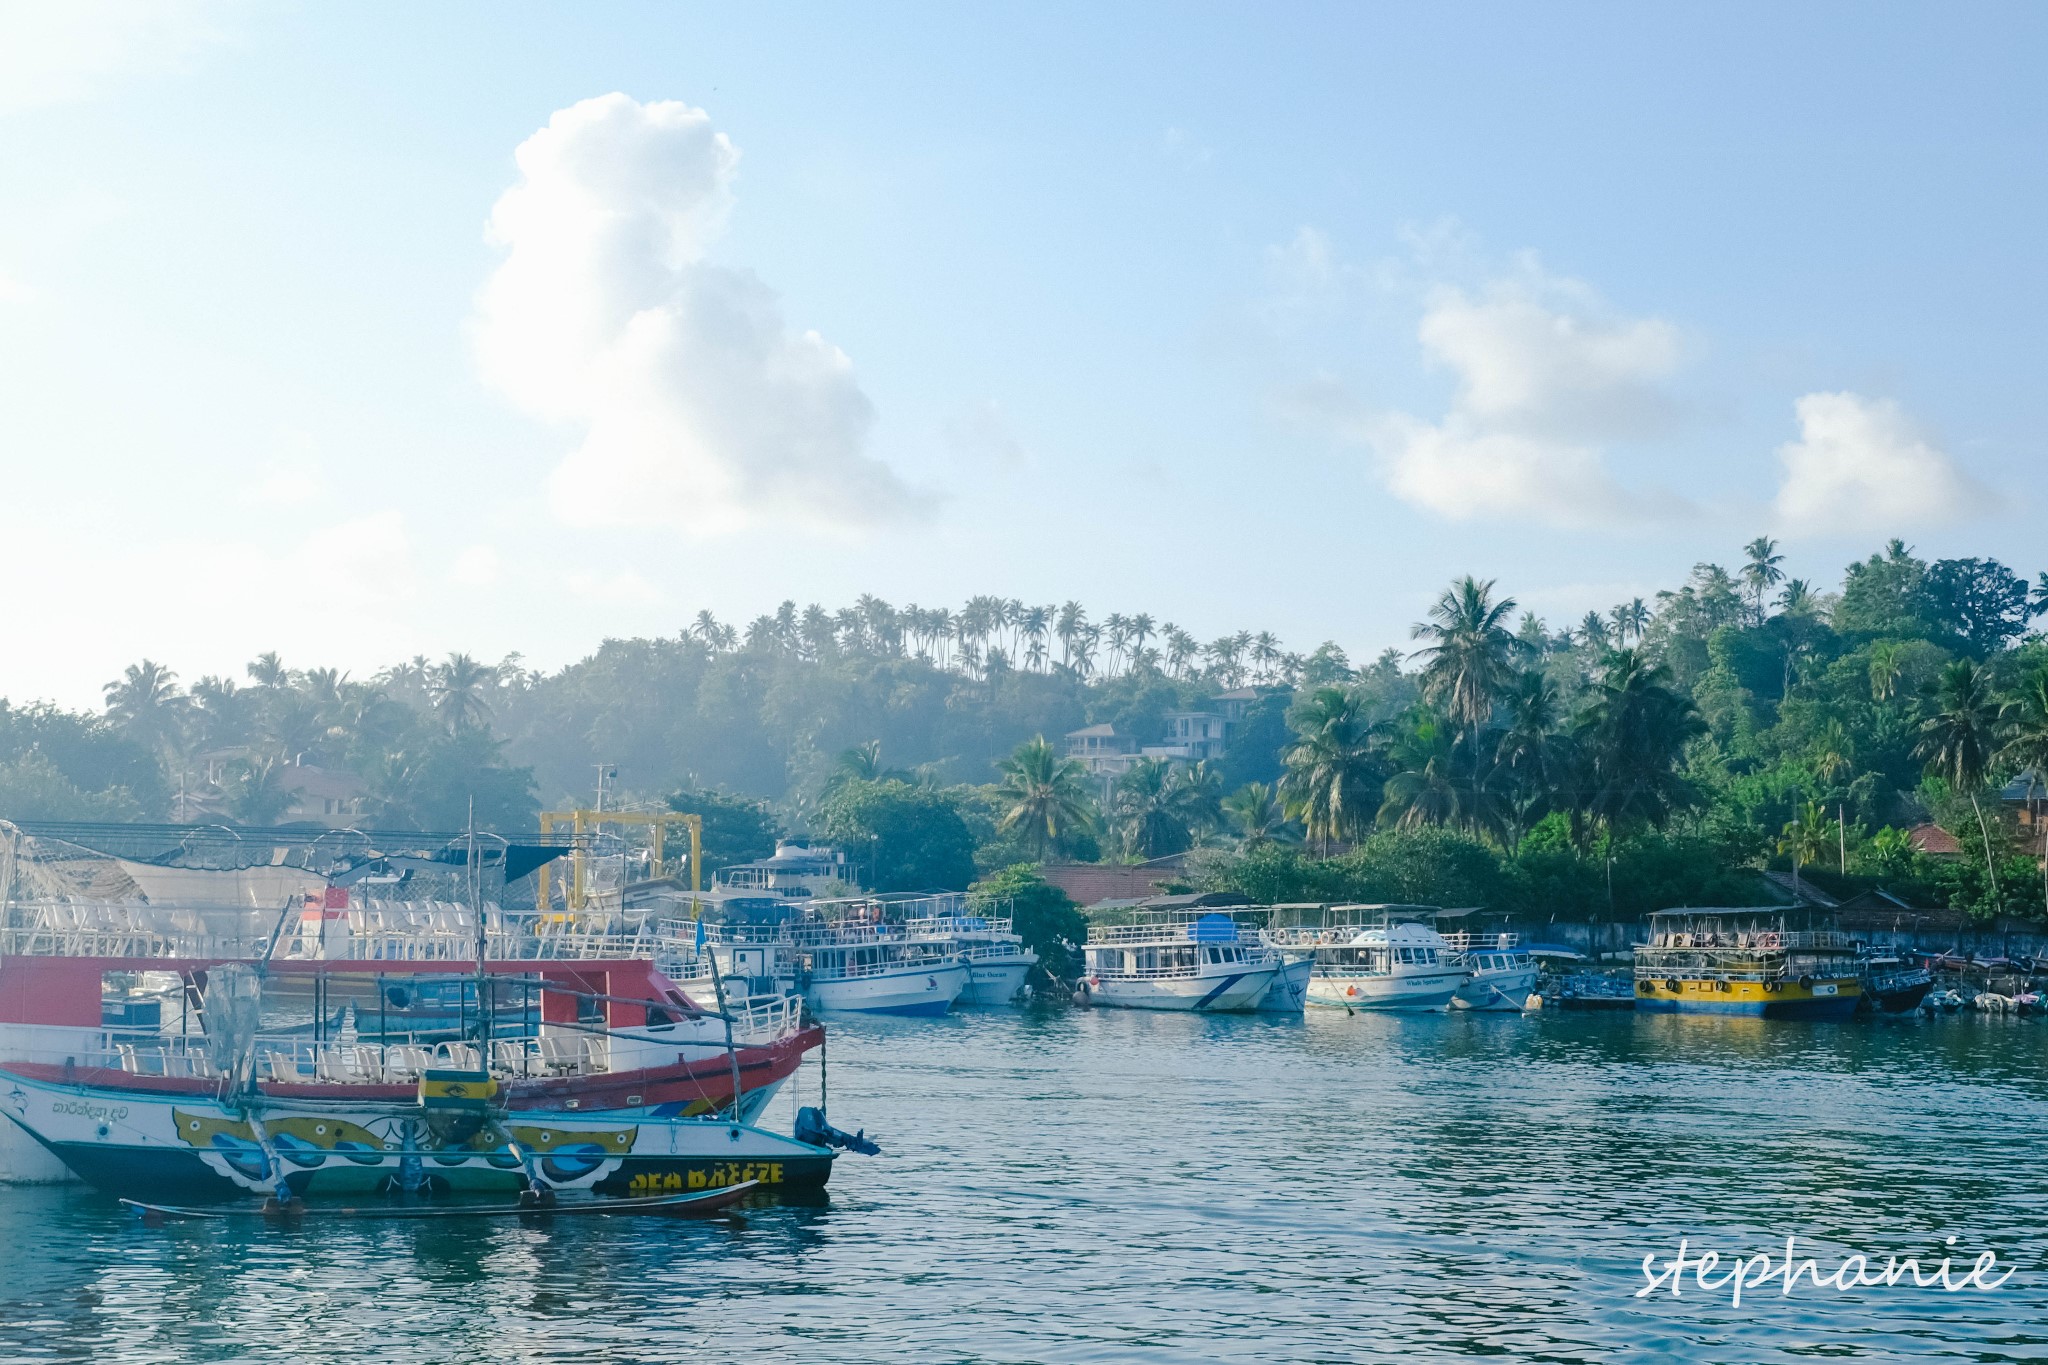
<point>1202,965</point>
<point>1894,986</point>
<point>1769,962</point>
<point>1377,957</point>
<point>170,1049</point>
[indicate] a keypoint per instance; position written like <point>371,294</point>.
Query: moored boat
<point>1894,986</point>
<point>1200,965</point>
<point>1768,962</point>
<point>1377,957</point>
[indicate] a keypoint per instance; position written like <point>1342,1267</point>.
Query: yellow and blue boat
<point>1769,962</point>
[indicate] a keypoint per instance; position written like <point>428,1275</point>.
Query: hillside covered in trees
<point>1650,753</point>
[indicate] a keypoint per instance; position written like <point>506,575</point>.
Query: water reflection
<point>1074,1185</point>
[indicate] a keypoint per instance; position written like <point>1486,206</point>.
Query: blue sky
<point>1267,317</point>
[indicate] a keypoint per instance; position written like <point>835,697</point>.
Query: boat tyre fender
<point>1806,982</point>
<point>1674,985</point>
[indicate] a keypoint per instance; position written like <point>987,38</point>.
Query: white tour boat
<point>1369,959</point>
<point>1200,965</point>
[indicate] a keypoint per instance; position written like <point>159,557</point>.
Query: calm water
<point>1074,1185</point>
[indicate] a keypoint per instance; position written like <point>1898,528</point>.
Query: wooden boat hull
<point>184,1150</point>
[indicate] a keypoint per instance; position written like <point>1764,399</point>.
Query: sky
<point>363,331</point>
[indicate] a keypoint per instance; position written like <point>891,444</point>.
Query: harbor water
<point>1074,1185</point>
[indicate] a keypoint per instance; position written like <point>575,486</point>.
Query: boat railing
<point>1161,934</point>
<point>1466,941</point>
<point>1761,939</point>
<point>855,971</point>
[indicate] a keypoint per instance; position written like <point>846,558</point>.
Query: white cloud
<point>1547,377</point>
<point>476,567</point>
<point>982,434</point>
<point>289,486</point>
<point>57,50</point>
<point>626,585</point>
<point>1861,467</point>
<point>1546,359</point>
<point>700,405</point>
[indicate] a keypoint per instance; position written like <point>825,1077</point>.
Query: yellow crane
<point>585,822</point>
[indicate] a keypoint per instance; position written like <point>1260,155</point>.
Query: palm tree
<point>1958,737</point>
<point>148,706</point>
<point>1181,650</point>
<point>1470,656</point>
<point>1593,632</point>
<point>1150,809</point>
<point>1631,741</point>
<point>267,670</point>
<point>1761,573</point>
<point>1887,665</point>
<point>1256,810</point>
<point>1068,626</point>
<point>1806,839</point>
<point>1796,599</point>
<point>1333,778</point>
<point>1531,755</point>
<point>256,794</point>
<point>861,763</point>
<point>1045,796</point>
<point>1117,630</point>
<point>1630,619</point>
<point>459,690</point>
<point>1427,786</point>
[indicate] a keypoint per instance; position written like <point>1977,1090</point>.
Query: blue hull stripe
<point>1228,982</point>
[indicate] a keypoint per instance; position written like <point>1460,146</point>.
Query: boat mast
<point>483,944</point>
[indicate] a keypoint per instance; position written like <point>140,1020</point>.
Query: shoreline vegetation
<point>1661,752</point>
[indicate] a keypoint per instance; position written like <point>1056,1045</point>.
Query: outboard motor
<point>812,1128</point>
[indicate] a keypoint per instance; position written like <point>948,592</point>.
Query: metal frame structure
<point>586,822</point>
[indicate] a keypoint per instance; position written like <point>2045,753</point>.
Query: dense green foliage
<point>1657,752</point>
<point>1044,916</point>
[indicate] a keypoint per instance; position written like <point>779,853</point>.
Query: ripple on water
<point>1096,1185</point>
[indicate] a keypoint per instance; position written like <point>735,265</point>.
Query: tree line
<point>1737,721</point>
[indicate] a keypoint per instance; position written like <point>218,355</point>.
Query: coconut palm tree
<point>267,670</point>
<point>1959,738</point>
<point>1260,817</point>
<point>1631,742</point>
<point>1630,620</point>
<point>1333,780</point>
<point>1045,796</point>
<point>1181,650</point>
<point>255,792</point>
<point>1887,666</point>
<point>1593,632</point>
<point>1068,625</point>
<point>148,706</point>
<point>1430,785</point>
<point>1470,656</point>
<point>1761,573</point>
<point>1532,760</point>
<point>1806,839</point>
<point>1150,810</point>
<point>459,690</point>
